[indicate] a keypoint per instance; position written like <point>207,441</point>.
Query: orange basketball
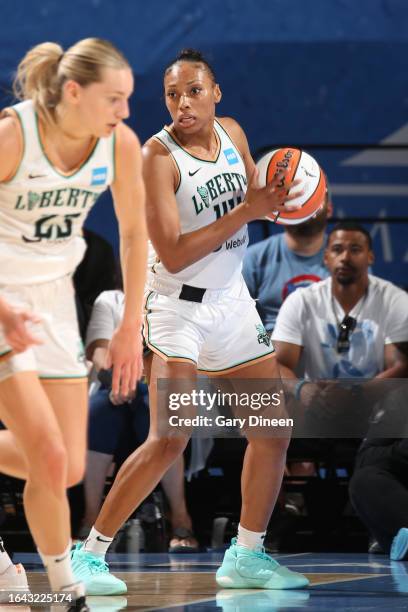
<point>297,165</point>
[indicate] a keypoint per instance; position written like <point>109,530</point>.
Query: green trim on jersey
<point>5,352</point>
<point>65,176</point>
<point>206,161</point>
<point>20,120</point>
<point>173,158</point>
<point>232,142</point>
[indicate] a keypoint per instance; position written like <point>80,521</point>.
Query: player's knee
<point>170,448</point>
<point>48,464</point>
<point>270,446</point>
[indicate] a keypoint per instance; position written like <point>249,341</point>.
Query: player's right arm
<point>13,322</point>
<point>175,249</point>
<point>11,146</point>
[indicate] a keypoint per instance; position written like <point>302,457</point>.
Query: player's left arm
<point>395,361</point>
<point>125,349</point>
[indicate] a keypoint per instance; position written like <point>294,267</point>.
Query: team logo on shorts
<point>230,156</point>
<point>263,336</point>
<point>203,192</point>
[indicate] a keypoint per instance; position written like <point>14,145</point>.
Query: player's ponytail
<point>43,71</point>
<point>37,77</point>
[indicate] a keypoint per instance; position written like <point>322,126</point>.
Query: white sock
<point>60,573</point>
<point>250,539</point>
<point>97,543</point>
<point>5,560</point>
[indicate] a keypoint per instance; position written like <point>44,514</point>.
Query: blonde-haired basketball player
<point>61,147</point>
<point>199,316</point>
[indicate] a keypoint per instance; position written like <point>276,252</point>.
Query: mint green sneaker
<point>93,571</point>
<point>249,569</point>
<point>242,600</point>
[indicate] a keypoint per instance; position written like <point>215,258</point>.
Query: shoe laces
<point>97,566</point>
<point>261,554</point>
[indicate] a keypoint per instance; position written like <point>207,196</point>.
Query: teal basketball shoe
<point>399,546</point>
<point>243,568</point>
<point>93,571</point>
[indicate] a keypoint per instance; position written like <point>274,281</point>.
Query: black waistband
<point>192,294</point>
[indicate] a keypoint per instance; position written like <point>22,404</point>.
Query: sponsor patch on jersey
<point>230,156</point>
<point>99,175</point>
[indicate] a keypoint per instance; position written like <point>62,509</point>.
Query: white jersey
<point>42,211</point>
<point>208,190</point>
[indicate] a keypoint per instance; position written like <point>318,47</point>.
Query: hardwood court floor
<point>346,583</point>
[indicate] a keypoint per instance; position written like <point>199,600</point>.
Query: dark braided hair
<point>193,56</point>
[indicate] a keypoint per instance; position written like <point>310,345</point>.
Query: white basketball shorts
<point>220,334</point>
<point>61,355</point>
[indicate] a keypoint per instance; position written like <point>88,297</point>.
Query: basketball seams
<point>299,157</point>
<point>280,153</point>
<point>308,207</point>
<point>316,188</point>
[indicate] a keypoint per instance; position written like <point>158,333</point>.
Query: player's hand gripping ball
<point>297,165</point>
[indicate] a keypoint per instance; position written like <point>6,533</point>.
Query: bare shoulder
<point>11,147</point>
<point>232,127</point>
<point>154,152</point>
<point>236,134</point>
<point>158,161</point>
<point>153,146</point>
<point>9,124</point>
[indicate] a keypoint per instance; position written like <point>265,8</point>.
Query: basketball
<point>297,165</point>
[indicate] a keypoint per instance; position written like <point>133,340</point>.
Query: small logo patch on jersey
<point>32,199</point>
<point>203,191</point>
<point>230,156</point>
<point>193,173</point>
<point>263,336</point>
<point>34,176</point>
<point>99,175</point>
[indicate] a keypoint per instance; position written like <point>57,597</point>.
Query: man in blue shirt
<point>280,264</point>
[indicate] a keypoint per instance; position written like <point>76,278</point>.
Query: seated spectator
<point>110,414</point>
<point>379,493</point>
<point>284,262</point>
<point>351,325</point>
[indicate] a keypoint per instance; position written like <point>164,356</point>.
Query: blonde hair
<point>43,71</point>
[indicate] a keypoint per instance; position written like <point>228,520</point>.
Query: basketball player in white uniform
<point>61,147</point>
<point>199,316</point>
